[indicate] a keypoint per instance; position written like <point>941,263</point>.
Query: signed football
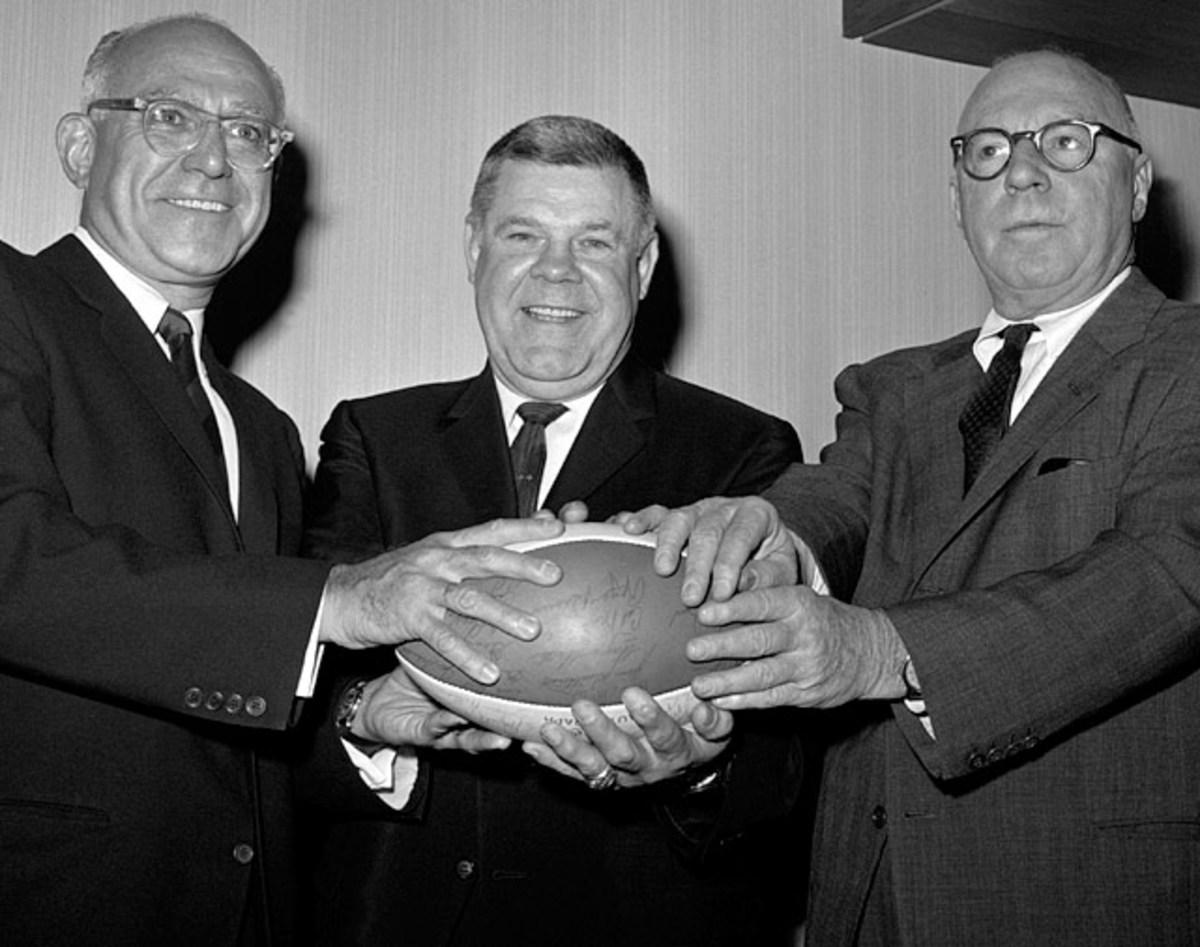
<point>609,624</point>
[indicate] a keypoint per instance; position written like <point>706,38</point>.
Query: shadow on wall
<point>255,290</point>
<point>1164,250</point>
<point>660,318</point>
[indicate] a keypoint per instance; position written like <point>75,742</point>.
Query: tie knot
<point>1017,334</point>
<point>540,412</point>
<point>174,325</point>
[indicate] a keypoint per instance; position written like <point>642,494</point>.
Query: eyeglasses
<point>173,128</point>
<point>1066,145</point>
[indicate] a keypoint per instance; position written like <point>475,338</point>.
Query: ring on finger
<point>605,779</point>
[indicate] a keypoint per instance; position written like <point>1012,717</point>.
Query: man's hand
<point>731,545</point>
<point>800,649</point>
<point>397,712</point>
<point>661,750</point>
<point>408,593</point>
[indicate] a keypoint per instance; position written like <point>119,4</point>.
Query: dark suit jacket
<point>1052,617</point>
<point>492,850</point>
<point>149,642</point>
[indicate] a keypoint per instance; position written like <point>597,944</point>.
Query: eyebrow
<point>240,107</point>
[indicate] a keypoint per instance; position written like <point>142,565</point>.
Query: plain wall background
<point>801,181</point>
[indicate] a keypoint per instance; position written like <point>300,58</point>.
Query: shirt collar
<point>577,408</point>
<point>147,301</point>
<point>1055,329</point>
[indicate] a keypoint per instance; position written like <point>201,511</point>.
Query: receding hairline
<point>105,60</point>
<point>1110,91</point>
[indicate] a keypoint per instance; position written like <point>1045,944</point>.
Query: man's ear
<point>75,138</point>
<point>646,263</point>
<point>955,200</point>
<point>1143,177</point>
<point>471,247</point>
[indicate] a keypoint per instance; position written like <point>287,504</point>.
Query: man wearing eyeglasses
<point>157,630</point>
<point>1011,521</point>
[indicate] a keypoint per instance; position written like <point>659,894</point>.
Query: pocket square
<point>1051,464</point>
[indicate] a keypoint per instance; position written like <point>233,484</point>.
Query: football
<point>609,624</point>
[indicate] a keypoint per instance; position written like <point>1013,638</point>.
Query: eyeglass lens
<point>173,128</point>
<point>1065,145</point>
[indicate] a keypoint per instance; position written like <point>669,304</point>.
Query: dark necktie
<point>177,333</point>
<point>985,418</point>
<point>529,452</point>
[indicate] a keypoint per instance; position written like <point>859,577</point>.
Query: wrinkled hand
<point>661,750</point>
<point>409,593</point>
<point>731,544</point>
<point>801,649</point>
<point>397,712</point>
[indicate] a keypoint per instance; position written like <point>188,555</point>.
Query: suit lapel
<point>1075,379</point>
<point>477,450</point>
<point>611,435</point>
<point>258,501</point>
<point>124,334</point>
<point>932,409</point>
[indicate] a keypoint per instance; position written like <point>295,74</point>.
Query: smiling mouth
<point>193,203</point>
<point>551,313</point>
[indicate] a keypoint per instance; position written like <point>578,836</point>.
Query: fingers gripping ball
<point>611,623</point>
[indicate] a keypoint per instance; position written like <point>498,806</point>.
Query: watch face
<point>348,707</point>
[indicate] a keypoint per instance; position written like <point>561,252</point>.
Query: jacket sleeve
<point>90,604</point>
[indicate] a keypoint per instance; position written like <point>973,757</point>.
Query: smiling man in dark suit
<point>561,246</point>
<point>1018,670</point>
<point>155,638</point>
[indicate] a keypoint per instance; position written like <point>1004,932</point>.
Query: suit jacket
<point>151,645</point>
<point>492,849</point>
<point>1051,615</point>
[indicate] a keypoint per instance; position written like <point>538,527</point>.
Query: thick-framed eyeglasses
<point>173,128</point>
<point>1066,145</point>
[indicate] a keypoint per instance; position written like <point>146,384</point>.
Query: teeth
<point>552,312</point>
<point>215,207</point>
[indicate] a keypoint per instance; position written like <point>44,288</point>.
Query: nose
<point>1026,168</point>
<point>210,157</point>
<point>556,263</point>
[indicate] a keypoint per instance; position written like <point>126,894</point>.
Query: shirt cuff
<point>390,772</point>
<point>810,570</point>
<point>312,656</point>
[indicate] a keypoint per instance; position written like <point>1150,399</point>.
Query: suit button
<point>995,755</point>
<point>243,854</point>
<point>879,817</point>
<point>193,697</point>
<point>256,706</point>
<point>234,703</point>
<point>465,869</point>
<point>976,761</point>
<point>215,700</point>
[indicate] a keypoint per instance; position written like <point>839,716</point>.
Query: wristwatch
<point>343,719</point>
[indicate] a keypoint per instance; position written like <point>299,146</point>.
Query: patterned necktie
<point>529,451</point>
<point>985,418</point>
<point>177,333</point>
